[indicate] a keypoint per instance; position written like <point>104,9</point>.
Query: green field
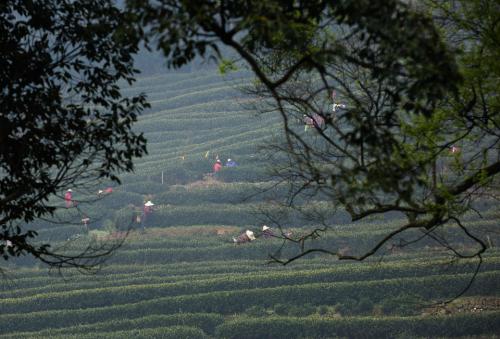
<point>184,278</point>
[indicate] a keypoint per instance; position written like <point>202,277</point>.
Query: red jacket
<point>217,167</point>
<point>68,198</point>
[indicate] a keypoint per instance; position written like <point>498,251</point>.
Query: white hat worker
<point>250,235</point>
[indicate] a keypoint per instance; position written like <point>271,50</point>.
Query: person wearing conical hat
<point>68,198</point>
<point>107,190</point>
<point>245,237</point>
<point>146,210</point>
<point>267,232</point>
<point>217,166</point>
<point>231,163</point>
<point>250,235</point>
<point>85,222</point>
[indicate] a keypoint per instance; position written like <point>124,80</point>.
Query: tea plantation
<point>183,277</point>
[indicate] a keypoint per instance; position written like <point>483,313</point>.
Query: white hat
<point>228,159</point>
<point>149,203</point>
<point>265,227</point>
<point>250,235</point>
<point>70,190</point>
<point>100,192</point>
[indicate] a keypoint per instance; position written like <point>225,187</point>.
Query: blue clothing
<point>231,163</point>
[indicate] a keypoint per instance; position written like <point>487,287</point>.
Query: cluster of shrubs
<point>401,305</point>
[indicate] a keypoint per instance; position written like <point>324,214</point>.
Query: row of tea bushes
<point>457,325</point>
<point>237,301</point>
<point>106,296</point>
<point>206,322</point>
<point>251,274</point>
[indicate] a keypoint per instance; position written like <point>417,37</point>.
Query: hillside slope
<point>185,278</point>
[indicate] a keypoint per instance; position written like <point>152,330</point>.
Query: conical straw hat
<point>250,235</point>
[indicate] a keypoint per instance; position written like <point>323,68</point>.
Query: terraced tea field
<point>184,277</point>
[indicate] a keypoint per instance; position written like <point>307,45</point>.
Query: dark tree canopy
<point>63,120</point>
<point>419,79</point>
